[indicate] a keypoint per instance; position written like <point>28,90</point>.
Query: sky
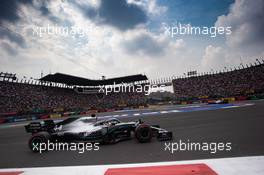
<point>126,37</point>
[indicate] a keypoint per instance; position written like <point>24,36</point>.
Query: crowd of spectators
<point>24,97</point>
<point>17,97</point>
<point>240,82</point>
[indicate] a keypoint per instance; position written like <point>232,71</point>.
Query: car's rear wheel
<point>110,139</point>
<point>37,140</point>
<point>143,133</point>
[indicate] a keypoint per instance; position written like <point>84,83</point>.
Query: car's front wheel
<point>143,133</point>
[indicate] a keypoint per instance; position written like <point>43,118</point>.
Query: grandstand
<point>60,94</point>
<point>240,83</point>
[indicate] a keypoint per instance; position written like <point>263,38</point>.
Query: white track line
<point>226,107</point>
<point>149,113</point>
<point>164,112</point>
<point>175,110</point>
<point>222,166</point>
<point>249,104</point>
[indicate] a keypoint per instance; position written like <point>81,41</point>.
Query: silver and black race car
<point>93,129</point>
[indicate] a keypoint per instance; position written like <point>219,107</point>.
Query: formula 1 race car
<point>92,129</point>
<point>224,101</point>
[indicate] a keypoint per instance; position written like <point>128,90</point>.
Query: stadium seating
<point>236,83</point>
<point>23,97</point>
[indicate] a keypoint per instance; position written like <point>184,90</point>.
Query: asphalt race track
<point>242,126</point>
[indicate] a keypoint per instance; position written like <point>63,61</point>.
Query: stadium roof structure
<point>79,81</point>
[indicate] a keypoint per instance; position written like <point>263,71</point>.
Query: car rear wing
<point>34,127</point>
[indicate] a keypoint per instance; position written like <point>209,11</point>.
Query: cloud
<point>9,49</point>
<point>44,10</point>
<point>116,13</point>
<point>9,10</point>
<point>121,14</point>
<point>16,18</point>
<point>104,50</point>
<point>12,36</point>
<point>246,19</point>
<point>246,41</point>
<point>140,42</point>
<point>103,54</point>
<point>213,58</point>
<point>144,43</point>
<point>150,6</point>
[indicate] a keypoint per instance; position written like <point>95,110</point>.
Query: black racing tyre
<point>143,133</point>
<point>109,139</point>
<point>36,139</point>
